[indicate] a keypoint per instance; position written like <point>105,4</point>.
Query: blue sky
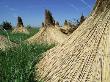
<point>32,11</point>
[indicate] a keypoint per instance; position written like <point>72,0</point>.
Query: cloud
<point>1,3</point>
<point>6,6</point>
<point>85,3</point>
<point>73,6</point>
<point>12,9</point>
<point>31,6</point>
<point>15,15</point>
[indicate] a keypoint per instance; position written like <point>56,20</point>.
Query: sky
<point>32,11</point>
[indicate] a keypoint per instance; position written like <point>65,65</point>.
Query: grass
<point>16,64</point>
<point>18,37</point>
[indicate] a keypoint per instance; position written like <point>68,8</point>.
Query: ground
<point>17,64</point>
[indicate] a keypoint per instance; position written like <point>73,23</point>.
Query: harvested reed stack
<point>85,55</point>
<point>48,33</point>
<point>20,27</point>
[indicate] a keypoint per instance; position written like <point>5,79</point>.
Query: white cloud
<point>73,6</point>
<point>85,3</point>
<point>1,3</point>
<point>6,6</point>
<point>15,15</point>
<point>12,9</point>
